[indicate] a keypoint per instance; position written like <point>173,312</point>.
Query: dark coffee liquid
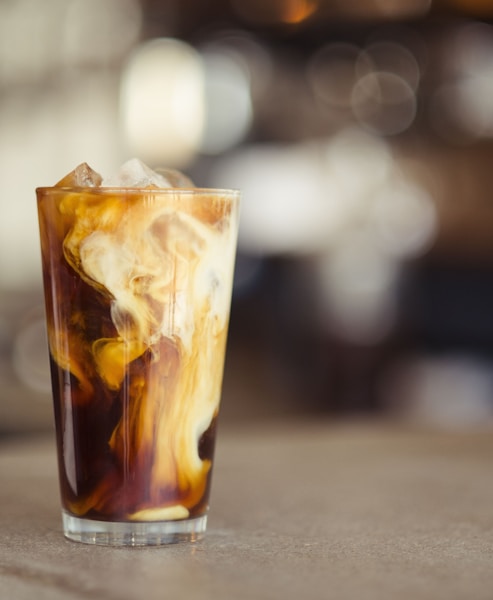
<point>89,468</point>
<point>115,479</point>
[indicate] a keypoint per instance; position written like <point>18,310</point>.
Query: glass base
<point>133,533</point>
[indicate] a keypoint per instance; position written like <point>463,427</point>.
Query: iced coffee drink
<point>137,277</point>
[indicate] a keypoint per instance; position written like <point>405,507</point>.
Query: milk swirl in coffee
<point>138,277</point>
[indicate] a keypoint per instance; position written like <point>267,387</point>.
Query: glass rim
<point>199,191</point>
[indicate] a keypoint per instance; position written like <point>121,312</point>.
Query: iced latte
<point>138,278</point>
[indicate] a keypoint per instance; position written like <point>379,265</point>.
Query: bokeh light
<point>58,108</point>
<point>451,392</point>
<point>403,9</point>
<point>35,43</point>
<point>347,203</point>
<point>359,132</point>
<point>96,32</point>
<point>332,73</point>
<point>461,109</point>
<point>405,218</point>
<point>163,102</point>
<point>384,103</point>
<point>357,285</point>
<point>29,45</point>
<point>228,105</point>
<point>284,209</point>
<point>389,57</point>
<point>275,11</point>
<point>387,9</point>
<point>305,198</point>
<point>360,163</point>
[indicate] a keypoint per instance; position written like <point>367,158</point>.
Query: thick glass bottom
<point>129,533</point>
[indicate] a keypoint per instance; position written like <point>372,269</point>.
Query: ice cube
<point>135,174</point>
<point>175,178</point>
<point>81,176</point>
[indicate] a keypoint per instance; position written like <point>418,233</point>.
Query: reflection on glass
<point>30,354</point>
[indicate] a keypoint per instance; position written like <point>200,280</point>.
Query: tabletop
<point>298,509</point>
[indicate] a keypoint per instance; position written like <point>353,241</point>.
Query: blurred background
<point>361,134</point>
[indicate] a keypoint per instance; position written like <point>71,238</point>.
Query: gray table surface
<point>320,510</point>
